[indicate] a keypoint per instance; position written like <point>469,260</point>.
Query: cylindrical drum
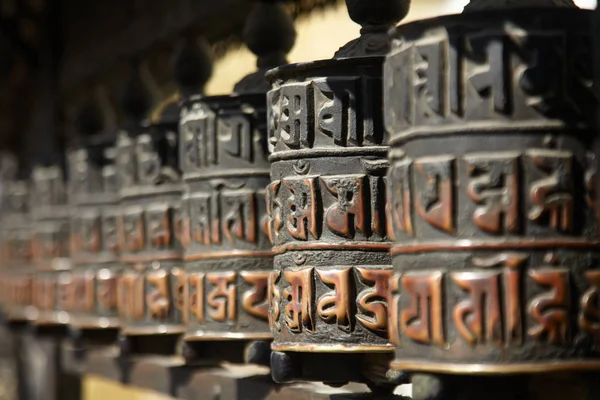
<point>52,261</point>
<point>17,239</point>
<point>491,193</point>
<point>94,238</point>
<point>150,290</point>
<point>228,255</point>
<point>326,217</point>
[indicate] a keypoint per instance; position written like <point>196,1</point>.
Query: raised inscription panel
<point>235,299</point>
<point>146,297</point>
<point>492,195</point>
<point>325,113</point>
<point>223,132</point>
<point>348,303</point>
<point>488,74</point>
<point>508,194</point>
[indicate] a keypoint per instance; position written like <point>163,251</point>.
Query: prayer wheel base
<point>149,345</point>
<point>231,351</point>
<point>337,369</point>
<point>93,337</point>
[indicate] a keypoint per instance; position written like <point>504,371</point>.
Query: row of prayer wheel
<point>422,203</point>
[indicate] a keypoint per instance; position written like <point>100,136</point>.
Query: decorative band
<point>470,245</point>
<point>331,348</point>
<point>228,254</point>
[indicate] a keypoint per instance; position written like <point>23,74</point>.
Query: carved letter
<point>551,309</point>
<point>553,195</point>
<point>106,294</point>
<point>295,129</point>
<point>299,296</point>
<point>196,280</point>
<point>255,301</point>
<point>478,318</point>
<point>589,316</point>
<point>494,186</point>
<point>132,233</point>
<point>157,300</point>
<point>239,220</point>
<point>434,191</point>
<point>302,207</point>
<point>222,300</point>
<point>349,206</point>
<point>334,306</point>
<point>159,227</point>
<point>394,311</point>
<point>423,320</point>
<point>372,308</point>
<point>274,211</point>
<point>399,206</point>
<point>274,300</point>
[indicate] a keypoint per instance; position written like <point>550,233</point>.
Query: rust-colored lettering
<point>394,310</point>
<point>255,301</point>
<point>159,227</point>
<point>196,293</point>
<point>157,299</point>
<point>589,315</point>
<point>239,220</point>
<point>299,296</point>
<point>422,321</point>
<point>349,206</point>
<point>222,300</point>
<point>334,306</point>
<point>106,295</point>
<point>494,187</point>
<point>434,188</point>
<point>132,232</point>
<point>274,211</point>
<point>274,300</point>
<point>551,309</point>
<point>478,319</point>
<point>553,194</point>
<point>180,292</point>
<point>302,207</point>
<point>399,202</point>
<point>372,306</point>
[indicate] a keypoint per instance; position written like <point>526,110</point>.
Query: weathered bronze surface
<point>228,256</point>
<point>150,293</point>
<point>492,194</point>
<point>92,301</point>
<point>226,170</point>
<point>16,287</point>
<point>50,212</point>
<point>326,208</point>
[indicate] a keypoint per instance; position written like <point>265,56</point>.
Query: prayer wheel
<point>326,211</point>
<point>491,196</point>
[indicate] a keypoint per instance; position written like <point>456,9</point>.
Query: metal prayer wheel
<point>492,194</point>
<point>51,256</point>
<point>93,198</point>
<point>150,290</point>
<point>228,257</point>
<point>16,288</point>
<point>326,209</point>
<point>224,156</point>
